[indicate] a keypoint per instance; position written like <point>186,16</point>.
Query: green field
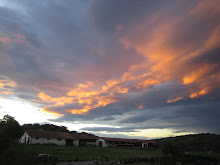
<point>26,153</point>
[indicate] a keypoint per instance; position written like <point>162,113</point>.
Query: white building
<point>80,139</point>
<point>58,138</point>
<point>120,142</point>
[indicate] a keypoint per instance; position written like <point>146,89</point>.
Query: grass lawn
<point>24,153</point>
<point>205,154</point>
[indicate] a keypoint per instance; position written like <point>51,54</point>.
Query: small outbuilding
<point>120,142</point>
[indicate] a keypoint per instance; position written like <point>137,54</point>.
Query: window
<point>59,139</point>
<point>48,138</point>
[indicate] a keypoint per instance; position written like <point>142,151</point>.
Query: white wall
<point>104,144</point>
<point>75,142</point>
<point>25,138</point>
<point>61,142</point>
<point>91,143</point>
<point>33,140</point>
<point>144,144</point>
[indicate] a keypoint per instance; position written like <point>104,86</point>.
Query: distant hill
<point>197,142</point>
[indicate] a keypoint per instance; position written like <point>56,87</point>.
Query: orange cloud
<point>88,84</point>
<point>84,94</point>
<point>58,101</point>
<point>198,94</point>
<point>168,50</point>
<point>80,111</point>
<point>51,112</point>
<point>170,53</point>
<point>3,86</point>
<point>5,92</point>
<point>4,83</point>
<point>148,82</point>
<point>207,6</point>
<point>124,90</point>
<point>83,90</point>
<point>5,40</point>
<point>174,100</point>
<point>95,102</point>
<point>140,106</point>
<point>14,38</point>
<point>89,97</point>
<point>197,74</point>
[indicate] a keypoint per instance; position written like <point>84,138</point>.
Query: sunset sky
<point>117,68</point>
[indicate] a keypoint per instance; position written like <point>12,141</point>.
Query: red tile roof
<point>51,134</point>
<point>86,136</point>
<point>75,135</point>
<point>60,135</point>
<point>126,140</point>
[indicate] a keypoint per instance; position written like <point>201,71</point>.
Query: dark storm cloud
<point>210,56</point>
<point>42,55</point>
<point>73,50</point>
<point>107,15</point>
<point>120,135</point>
<point>156,114</point>
<point>20,51</point>
<point>106,118</point>
<point>108,129</point>
<point>14,22</point>
<point>137,119</point>
<point>10,20</point>
<point>189,116</point>
<point>194,118</point>
<point>97,115</point>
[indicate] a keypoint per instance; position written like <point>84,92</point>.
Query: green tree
<point>173,148</point>
<point>31,126</point>
<point>10,127</point>
<point>45,127</point>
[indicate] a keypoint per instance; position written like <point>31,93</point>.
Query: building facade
<point>120,142</point>
<point>57,138</point>
<point>80,139</point>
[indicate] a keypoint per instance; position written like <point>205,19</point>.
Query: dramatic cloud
<point>128,66</point>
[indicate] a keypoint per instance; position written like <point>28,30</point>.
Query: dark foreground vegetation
<point>26,154</point>
<point>22,153</point>
<point>199,149</point>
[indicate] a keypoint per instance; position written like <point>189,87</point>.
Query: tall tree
<point>10,127</point>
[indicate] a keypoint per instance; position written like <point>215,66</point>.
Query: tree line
<point>11,130</point>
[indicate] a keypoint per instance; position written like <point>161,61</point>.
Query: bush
<point>173,148</point>
<point>4,142</point>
